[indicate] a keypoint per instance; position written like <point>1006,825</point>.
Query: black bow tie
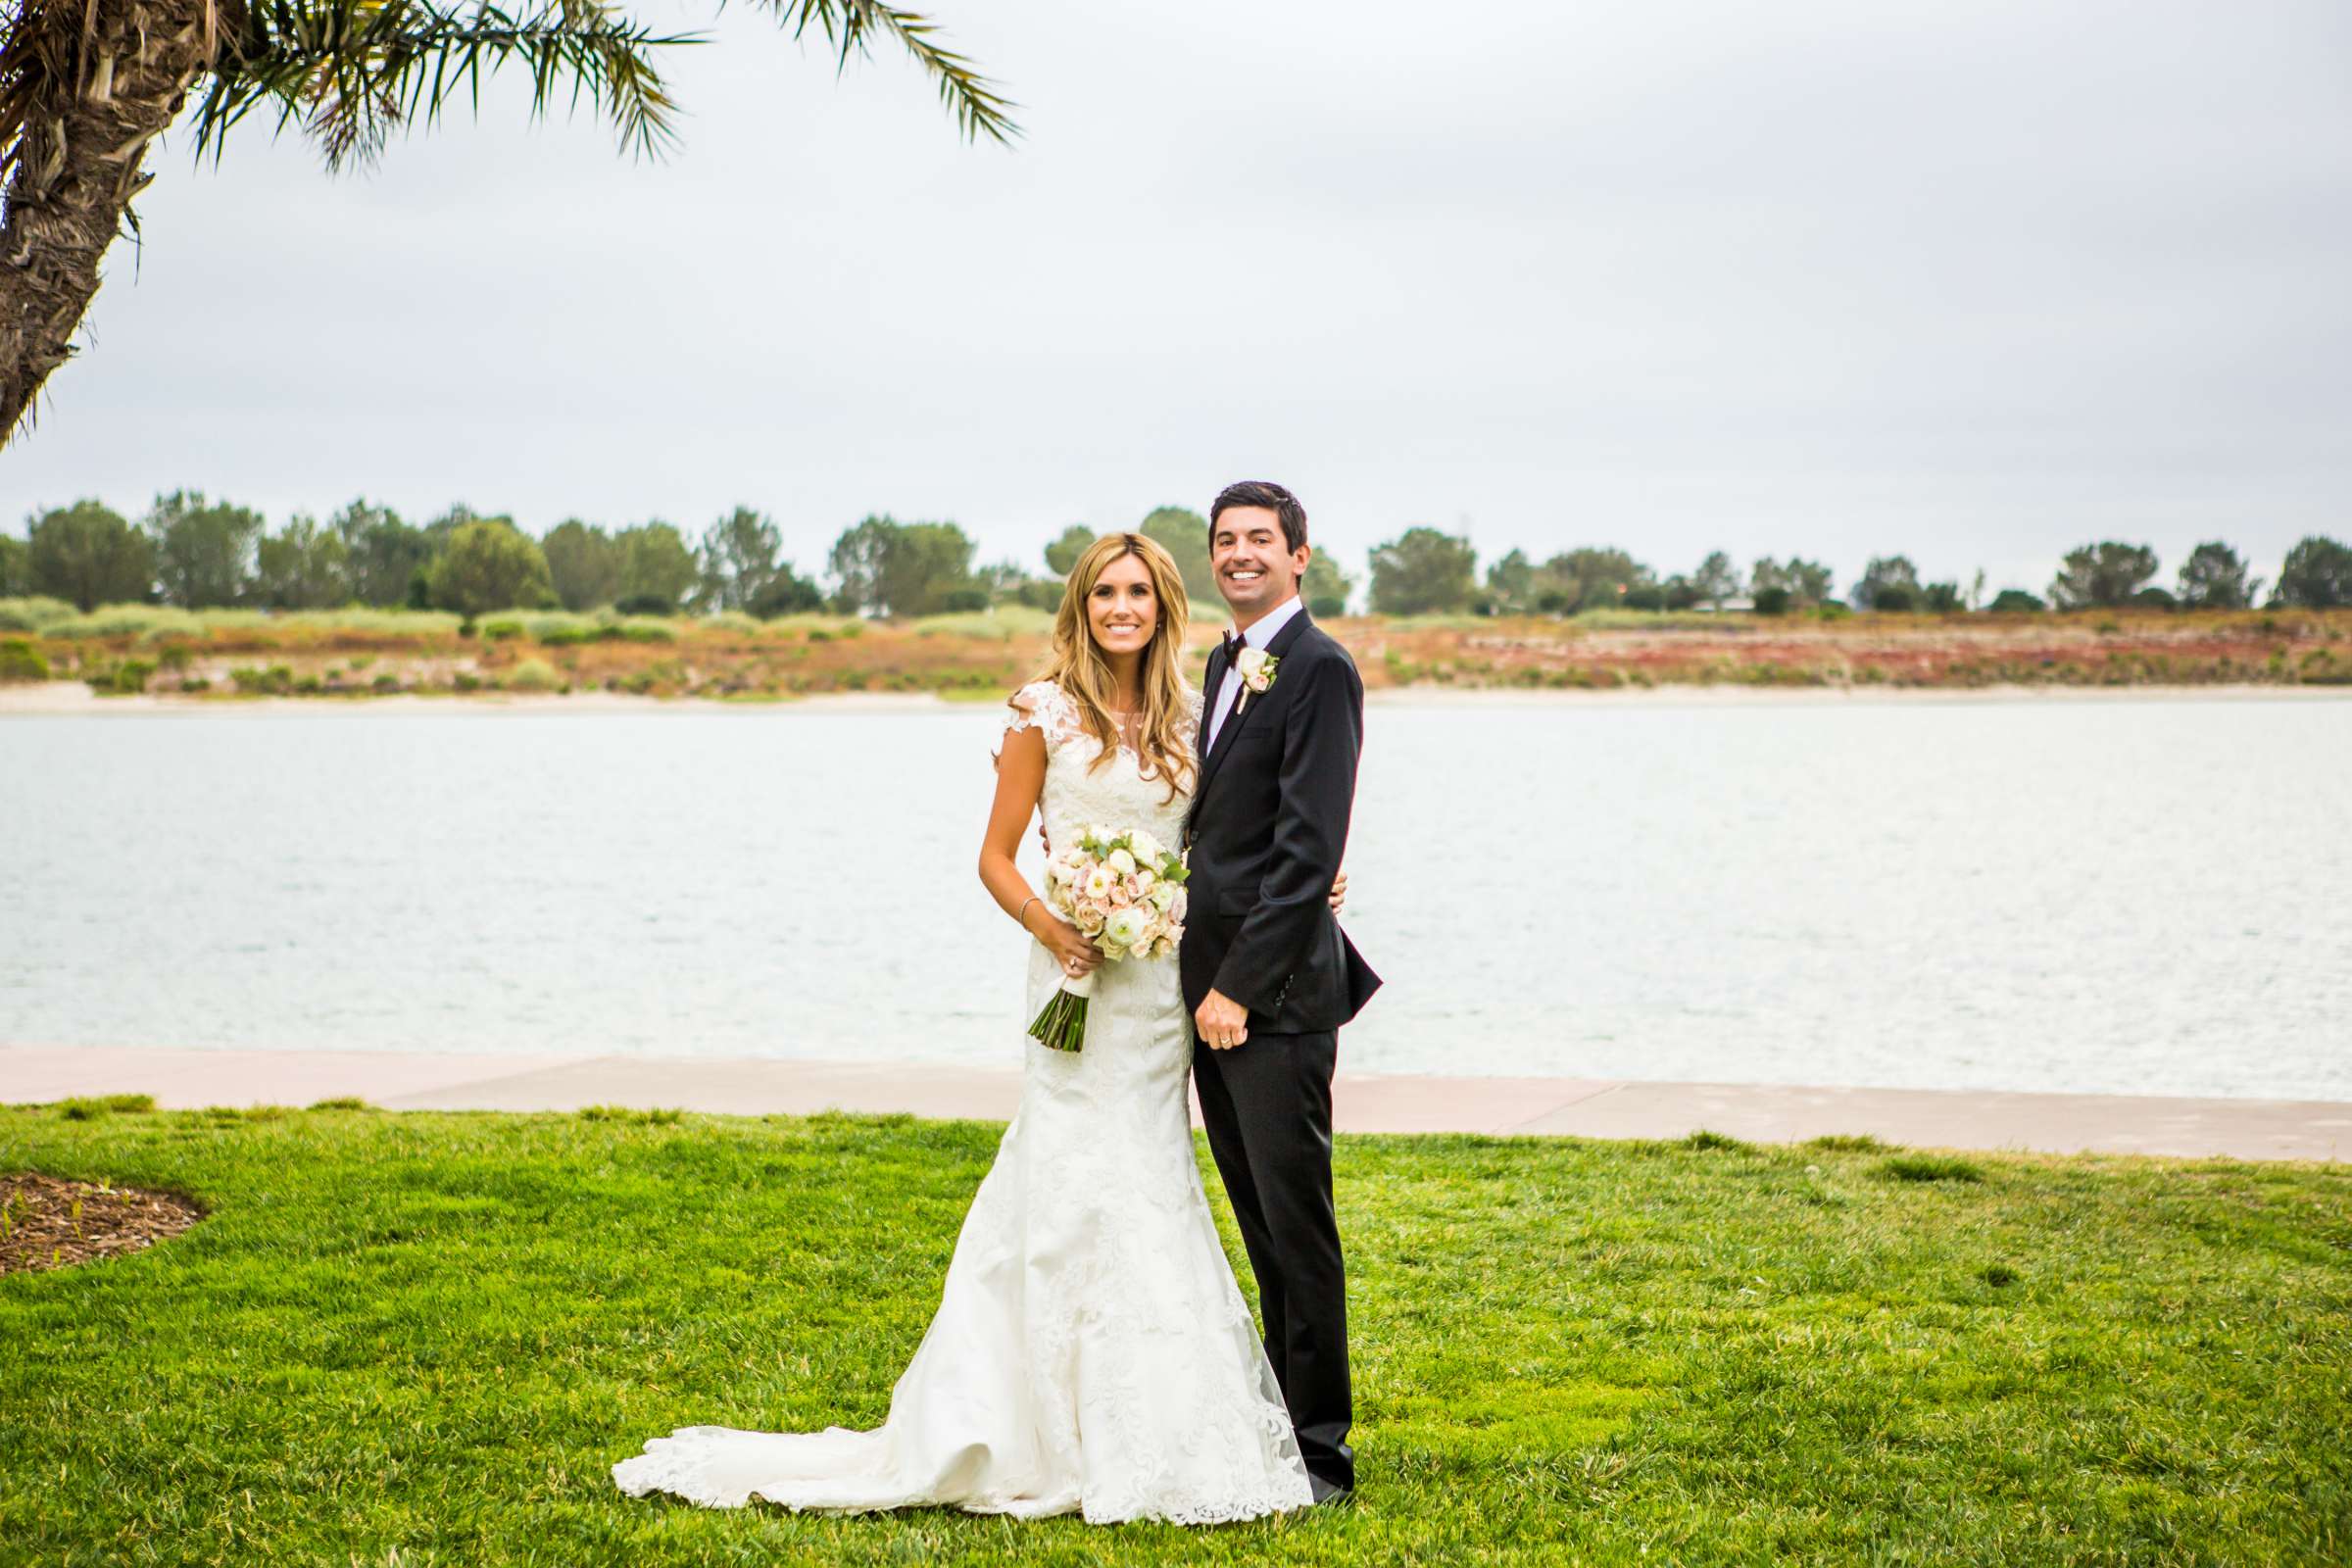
<point>1232,646</point>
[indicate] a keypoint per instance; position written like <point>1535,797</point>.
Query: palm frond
<point>848,25</point>
<point>352,71</point>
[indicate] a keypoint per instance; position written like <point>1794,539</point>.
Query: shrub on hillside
<point>2320,667</point>
<point>734,620</point>
<point>402,623</point>
<point>129,620</point>
<point>534,675</point>
<point>33,612</point>
<point>21,660</point>
<point>122,679</point>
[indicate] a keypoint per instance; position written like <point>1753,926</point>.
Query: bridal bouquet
<point>1126,892</point>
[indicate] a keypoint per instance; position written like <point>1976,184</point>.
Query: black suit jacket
<point>1268,825</point>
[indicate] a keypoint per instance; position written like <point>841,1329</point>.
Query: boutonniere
<point>1256,667</point>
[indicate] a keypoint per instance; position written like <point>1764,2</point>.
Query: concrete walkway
<point>2132,1124</point>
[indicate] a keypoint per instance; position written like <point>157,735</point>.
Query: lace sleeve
<point>1039,706</point>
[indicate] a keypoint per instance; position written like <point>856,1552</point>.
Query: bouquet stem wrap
<point>1061,1023</point>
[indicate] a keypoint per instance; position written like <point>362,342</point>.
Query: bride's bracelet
<point>1022,915</point>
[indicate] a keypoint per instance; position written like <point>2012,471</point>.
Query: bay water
<point>2149,894</point>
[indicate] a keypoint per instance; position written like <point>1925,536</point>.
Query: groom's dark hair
<point>1269,495</point>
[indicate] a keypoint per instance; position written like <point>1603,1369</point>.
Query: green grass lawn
<point>423,1339</point>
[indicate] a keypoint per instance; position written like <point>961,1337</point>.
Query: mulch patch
<point>49,1222</point>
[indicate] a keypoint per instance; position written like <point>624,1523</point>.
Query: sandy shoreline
<point>73,697</point>
<point>1362,1103</point>
<point>1694,695</point>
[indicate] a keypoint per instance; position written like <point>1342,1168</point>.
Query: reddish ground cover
<point>2083,649</point>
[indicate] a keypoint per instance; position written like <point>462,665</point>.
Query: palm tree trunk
<point>102,78</point>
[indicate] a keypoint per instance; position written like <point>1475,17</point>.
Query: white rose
<point>1121,863</point>
<point>1147,849</point>
<point>1144,879</point>
<point>1164,896</point>
<point>1127,926</point>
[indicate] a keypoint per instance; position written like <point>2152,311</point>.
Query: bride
<point>1091,1351</point>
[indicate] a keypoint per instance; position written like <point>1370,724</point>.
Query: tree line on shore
<point>198,554</point>
<point>1428,571</point>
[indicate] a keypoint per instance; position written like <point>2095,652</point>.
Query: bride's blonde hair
<point>1078,665</point>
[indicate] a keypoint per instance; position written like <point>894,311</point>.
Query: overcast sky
<point>1975,284</point>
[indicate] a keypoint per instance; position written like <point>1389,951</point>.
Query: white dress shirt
<point>1261,632</point>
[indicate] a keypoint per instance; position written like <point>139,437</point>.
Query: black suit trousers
<point>1266,1105</point>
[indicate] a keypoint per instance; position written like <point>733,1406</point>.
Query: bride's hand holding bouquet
<point>1072,953</point>
<point>1121,896</point>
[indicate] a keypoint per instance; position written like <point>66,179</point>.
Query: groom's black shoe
<point>1329,1495</point>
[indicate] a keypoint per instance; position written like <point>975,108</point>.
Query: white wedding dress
<point>1091,1351</point>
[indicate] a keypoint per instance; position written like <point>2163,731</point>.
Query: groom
<point>1267,972</point>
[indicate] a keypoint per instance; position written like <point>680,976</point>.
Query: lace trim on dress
<point>1043,704</point>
